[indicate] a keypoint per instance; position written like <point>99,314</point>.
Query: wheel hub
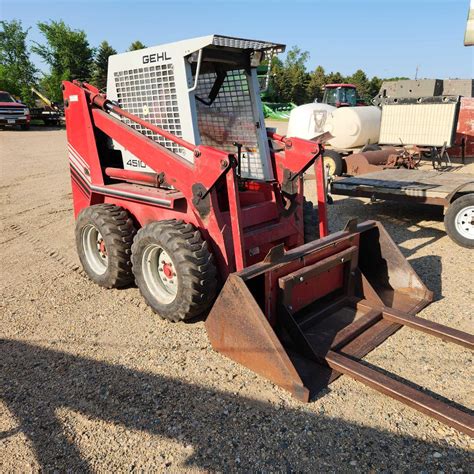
<point>330,165</point>
<point>101,247</point>
<point>465,222</point>
<point>160,274</point>
<point>168,270</point>
<point>94,249</point>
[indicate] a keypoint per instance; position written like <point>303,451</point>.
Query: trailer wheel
<point>104,236</point>
<point>174,269</point>
<point>310,221</point>
<point>459,221</point>
<point>333,162</point>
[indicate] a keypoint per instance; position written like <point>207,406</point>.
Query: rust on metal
<point>406,394</point>
<point>430,327</point>
<point>368,161</point>
<point>304,317</point>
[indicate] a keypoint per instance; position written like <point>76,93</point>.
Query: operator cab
<point>340,95</point>
<point>205,90</point>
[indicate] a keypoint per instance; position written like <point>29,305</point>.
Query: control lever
<point>239,155</point>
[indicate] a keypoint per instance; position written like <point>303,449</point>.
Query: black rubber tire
<point>311,221</point>
<point>334,159</point>
<point>453,210</point>
<point>25,127</point>
<point>117,229</point>
<point>193,265</point>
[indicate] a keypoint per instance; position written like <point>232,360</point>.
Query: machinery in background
<point>469,34</point>
<point>341,95</point>
<point>364,138</point>
<point>45,110</point>
<point>271,110</point>
<point>422,90</point>
<point>277,110</point>
<point>353,130</point>
<point>217,223</point>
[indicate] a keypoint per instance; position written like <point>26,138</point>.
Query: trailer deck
<point>426,187</point>
<point>454,191</point>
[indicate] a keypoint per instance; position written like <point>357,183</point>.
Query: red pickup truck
<point>13,113</point>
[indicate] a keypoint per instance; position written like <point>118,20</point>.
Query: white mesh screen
<point>230,119</point>
<point>150,93</point>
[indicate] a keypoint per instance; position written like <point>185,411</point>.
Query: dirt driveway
<point>91,379</point>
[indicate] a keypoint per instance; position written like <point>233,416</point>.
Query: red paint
<point>335,86</point>
<point>465,129</point>
<point>244,219</point>
<point>168,270</point>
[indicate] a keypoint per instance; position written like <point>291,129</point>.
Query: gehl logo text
<point>155,58</point>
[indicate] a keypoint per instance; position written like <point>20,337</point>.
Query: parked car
<point>13,113</point>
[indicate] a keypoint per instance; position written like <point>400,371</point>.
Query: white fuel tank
<point>308,121</point>
<point>353,126</point>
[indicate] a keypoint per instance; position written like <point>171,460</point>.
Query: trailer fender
<point>465,188</point>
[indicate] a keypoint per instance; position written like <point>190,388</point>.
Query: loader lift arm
<point>177,171</point>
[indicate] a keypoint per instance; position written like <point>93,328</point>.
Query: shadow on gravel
<point>431,267</point>
<point>402,221</point>
<point>226,431</point>
<point>403,224</point>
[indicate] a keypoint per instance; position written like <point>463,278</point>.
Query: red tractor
<point>341,95</point>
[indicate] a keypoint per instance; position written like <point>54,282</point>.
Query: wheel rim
<point>95,249</point>
<point>464,222</point>
<point>330,165</point>
<point>159,273</point>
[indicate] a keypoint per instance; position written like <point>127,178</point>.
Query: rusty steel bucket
<point>304,317</point>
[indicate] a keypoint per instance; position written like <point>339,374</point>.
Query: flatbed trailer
<point>453,191</point>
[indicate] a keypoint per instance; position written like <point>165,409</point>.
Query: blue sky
<point>383,37</point>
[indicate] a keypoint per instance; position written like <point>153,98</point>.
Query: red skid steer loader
<point>178,186</point>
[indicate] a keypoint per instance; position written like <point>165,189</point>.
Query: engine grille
<point>150,93</point>
<point>12,111</point>
<point>230,119</point>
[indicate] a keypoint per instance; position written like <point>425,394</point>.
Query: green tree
<point>360,80</point>
<point>136,45</point>
<point>290,79</point>
<point>101,61</point>
<point>401,78</point>
<point>315,88</point>
<point>374,86</point>
<point>335,78</point>
<point>68,54</point>
<point>17,73</point>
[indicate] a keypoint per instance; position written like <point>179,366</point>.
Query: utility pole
<point>416,72</point>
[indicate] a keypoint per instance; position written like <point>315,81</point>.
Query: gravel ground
<point>92,380</point>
